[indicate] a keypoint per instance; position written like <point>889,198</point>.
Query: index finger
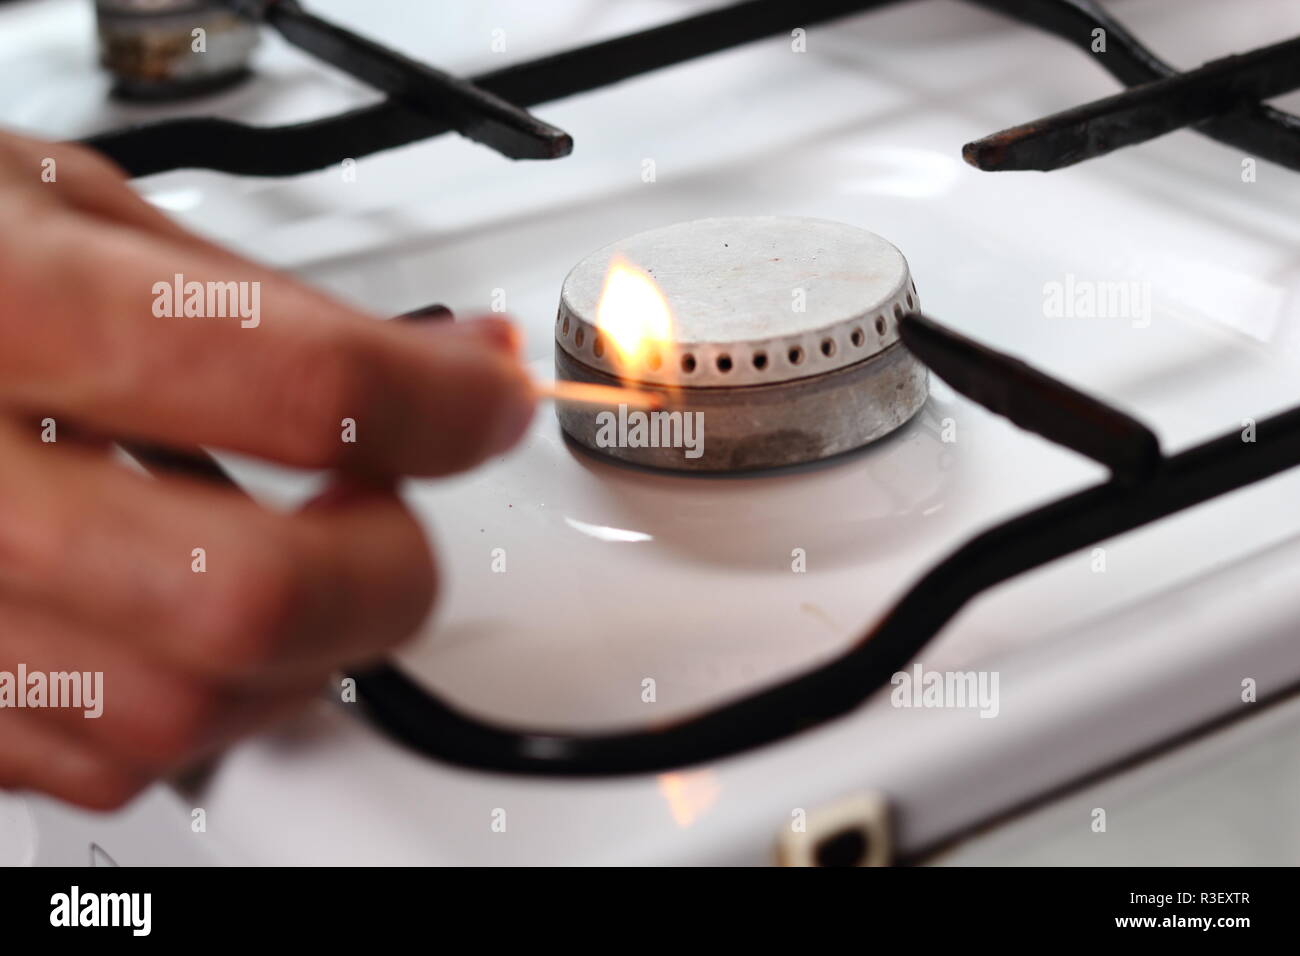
<point>99,326</point>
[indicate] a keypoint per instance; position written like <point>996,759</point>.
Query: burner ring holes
<point>565,327</point>
<point>857,338</point>
<point>724,363</point>
<point>881,325</point>
<point>688,363</point>
<point>760,360</point>
<point>828,347</point>
<point>795,355</point>
<point>579,337</point>
<point>598,345</point>
<point>653,361</point>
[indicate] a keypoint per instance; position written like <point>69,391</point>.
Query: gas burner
<point>776,343</point>
<point>170,49</point>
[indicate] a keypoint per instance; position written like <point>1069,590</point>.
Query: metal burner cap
<point>781,348</point>
<point>755,300</point>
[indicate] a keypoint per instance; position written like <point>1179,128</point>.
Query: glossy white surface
<point>1202,802</point>
<point>614,575</point>
<point>17,831</point>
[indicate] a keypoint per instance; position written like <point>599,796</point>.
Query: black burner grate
<point>1220,100</point>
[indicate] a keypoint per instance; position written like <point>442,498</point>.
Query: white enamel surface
<point>614,576</point>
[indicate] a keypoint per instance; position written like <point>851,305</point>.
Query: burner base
<point>753,427</point>
<point>159,50</point>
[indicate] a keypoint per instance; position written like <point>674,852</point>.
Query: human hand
<point>98,564</point>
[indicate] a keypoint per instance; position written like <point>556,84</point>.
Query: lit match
<point>588,393</point>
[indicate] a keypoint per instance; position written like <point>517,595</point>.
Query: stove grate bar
<point>228,146</point>
<point>1034,401</point>
<point>420,719</point>
<point>1257,129</point>
<point>473,111</point>
<point>1144,112</point>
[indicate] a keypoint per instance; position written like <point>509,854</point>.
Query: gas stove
<point>1153,291</point>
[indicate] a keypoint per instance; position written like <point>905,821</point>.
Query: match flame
<point>633,316</point>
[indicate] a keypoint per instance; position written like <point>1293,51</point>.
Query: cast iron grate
<point>1220,100</point>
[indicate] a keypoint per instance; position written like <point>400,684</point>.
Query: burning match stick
<point>562,390</point>
<point>588,393</point>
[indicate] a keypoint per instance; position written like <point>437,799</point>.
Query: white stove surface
<point>617,575</point>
